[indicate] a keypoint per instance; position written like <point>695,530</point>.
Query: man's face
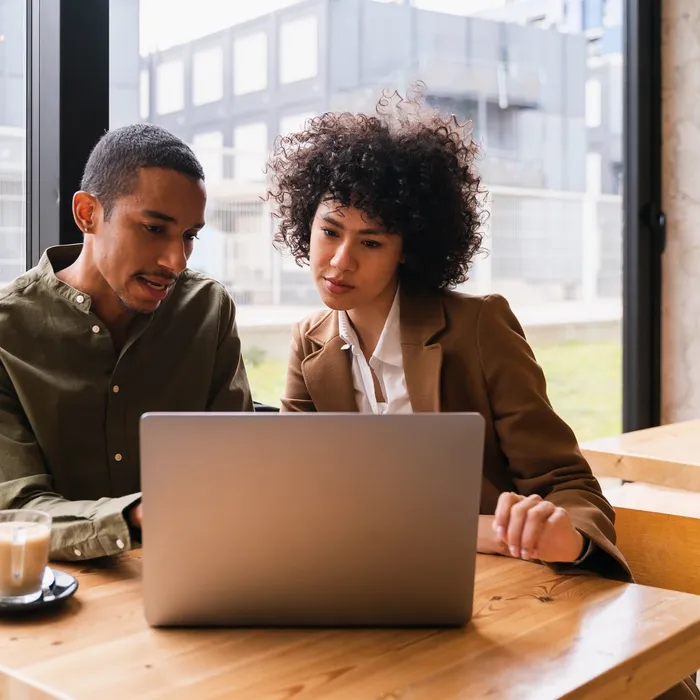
<point>146,243</point>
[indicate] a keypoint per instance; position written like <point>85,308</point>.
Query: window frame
<point>67,111</point>
<point>644,228</point>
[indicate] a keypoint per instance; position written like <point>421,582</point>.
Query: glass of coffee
<point>24,554</point>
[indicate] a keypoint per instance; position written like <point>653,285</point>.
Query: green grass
<point>267,380</point>
<point>584,381</point>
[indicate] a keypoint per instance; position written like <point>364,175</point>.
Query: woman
<point>386,210</point>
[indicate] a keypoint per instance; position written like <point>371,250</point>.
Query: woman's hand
<point>531,528</point>
<point>488,541</point>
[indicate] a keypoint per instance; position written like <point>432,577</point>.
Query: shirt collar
<point>347,333</point>
<point>388,348</point>
<point>57,258</point>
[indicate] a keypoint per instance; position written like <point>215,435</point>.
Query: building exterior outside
<point>541,80</point>
<point>12,139</point>
<point>542,91</point>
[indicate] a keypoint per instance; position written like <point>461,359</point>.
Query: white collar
<point>388,348</point>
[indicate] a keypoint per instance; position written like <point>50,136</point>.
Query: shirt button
<point>118,457</point>
<point>77,553</point>
<point>120,544</point>
<point>80,298</point>
<point>95,329</point>
<point>115,388</point>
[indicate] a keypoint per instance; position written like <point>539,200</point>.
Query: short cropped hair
<point>114,163</point>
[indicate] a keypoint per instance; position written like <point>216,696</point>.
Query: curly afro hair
<point>408,167</point>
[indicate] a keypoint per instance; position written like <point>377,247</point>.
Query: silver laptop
<point>310,519</point>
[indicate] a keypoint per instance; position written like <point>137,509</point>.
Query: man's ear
<point>86,209</point>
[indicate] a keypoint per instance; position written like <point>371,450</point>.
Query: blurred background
<point>542,81</point>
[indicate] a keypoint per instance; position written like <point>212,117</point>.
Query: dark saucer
<point>56,587</point>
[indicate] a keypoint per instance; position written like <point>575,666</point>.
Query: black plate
<point>57,586</point>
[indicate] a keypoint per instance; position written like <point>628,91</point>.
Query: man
<point>99,333</point>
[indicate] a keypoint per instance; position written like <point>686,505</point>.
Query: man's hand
<point>532,528</point>
<point>134,516</point>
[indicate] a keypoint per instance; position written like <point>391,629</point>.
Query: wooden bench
<point>658,532</point>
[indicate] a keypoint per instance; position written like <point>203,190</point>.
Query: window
<point>594,169</point>
<point>209,148</point>
<point>551,157</point>
<point>170,87</point>
<point>593,14</point>
<point>250,152</point>
<point>593,104</point>
<point>144,95</point>
<point>207,76</point>
<point>13,168</point>
<point>249,63</point>
<point>613,13</point>
<point>298,50</point>
<point>539,21</point>
<point>292,123</point>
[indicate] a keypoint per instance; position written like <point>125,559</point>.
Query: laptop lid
<point>310,519</point>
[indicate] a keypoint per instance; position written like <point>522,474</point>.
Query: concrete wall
<point>681,202</point>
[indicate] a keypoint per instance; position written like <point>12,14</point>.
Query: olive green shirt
<point>70,405</point>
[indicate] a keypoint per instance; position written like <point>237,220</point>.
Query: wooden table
<point>667,456</point>
<point>534,635</point>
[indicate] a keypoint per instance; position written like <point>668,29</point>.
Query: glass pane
<point>298,49</point>
<point>249,63</point>
<point>541,82</point>
<point>170,87</point>
<point>209,147</point>
<point>144,94</point>
<point>250,150</point>
<point>208,76</point>
<point>13,120</point>
<point>290,123</point>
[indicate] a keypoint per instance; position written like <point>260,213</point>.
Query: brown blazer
<point>468,353</point>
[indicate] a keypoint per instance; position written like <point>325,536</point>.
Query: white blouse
<point>386,361</point>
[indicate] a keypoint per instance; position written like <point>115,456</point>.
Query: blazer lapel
<point>328,371</point>
<point>422,319</point>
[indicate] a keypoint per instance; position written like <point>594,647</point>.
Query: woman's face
<point>354,261</point>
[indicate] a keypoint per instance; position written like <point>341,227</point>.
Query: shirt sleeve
<point>229,390</point>
<point>80,529</point>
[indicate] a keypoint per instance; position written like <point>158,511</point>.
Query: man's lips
<point>159,283</point>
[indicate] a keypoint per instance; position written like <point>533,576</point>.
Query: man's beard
<point>123,297</point>
<point>132,309</point>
